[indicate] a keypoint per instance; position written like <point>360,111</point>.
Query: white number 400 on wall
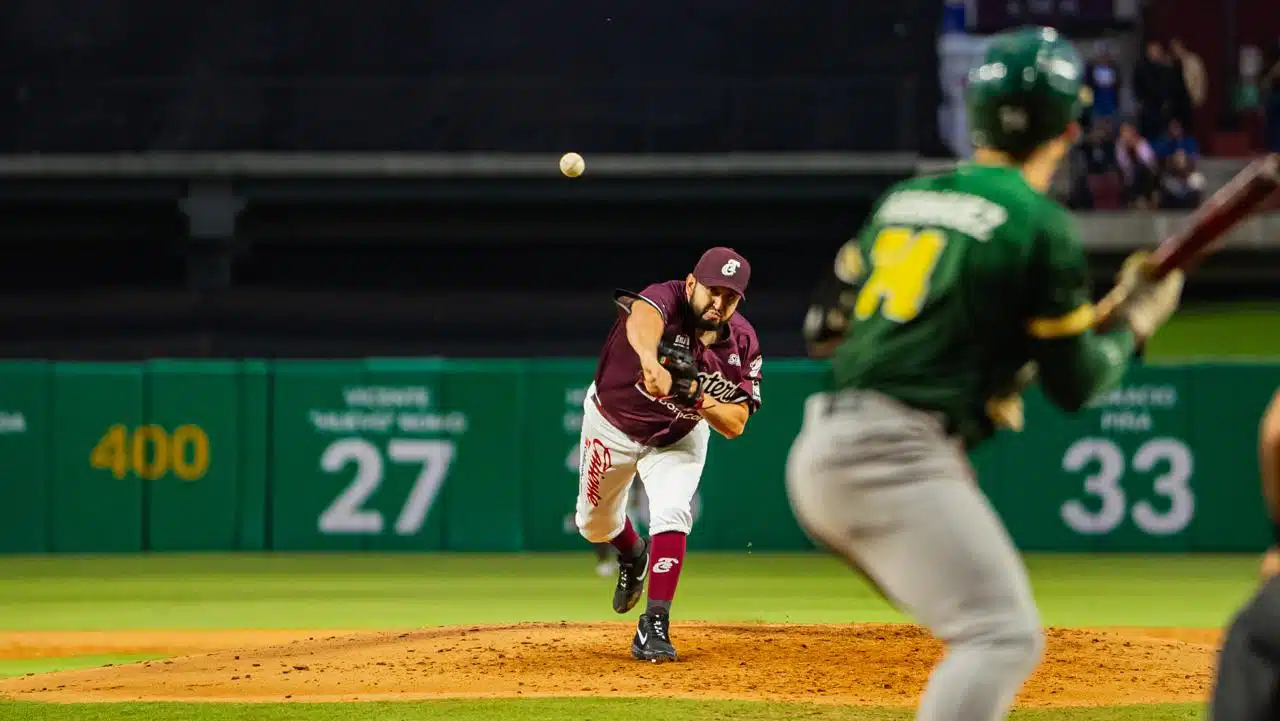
<point>347,515</point>
<point>1175,458</point>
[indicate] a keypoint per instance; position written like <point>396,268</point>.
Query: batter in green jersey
<point>961,289</point>
<point>959,279</point>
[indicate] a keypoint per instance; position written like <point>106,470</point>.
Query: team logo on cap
<point>730,267</point>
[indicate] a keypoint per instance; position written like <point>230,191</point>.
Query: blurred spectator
<point>1176,140</point>
<point>1102,77</point>
<point>1098,150</point>
<point>1246,101</point>
<point>1155,87</point>
<point>1194,87</point>
<point>1270,85</point>
<point>1086,109</point>
<point>1180,183</point>
<point>1139,167</point>
<point>1099,175</point>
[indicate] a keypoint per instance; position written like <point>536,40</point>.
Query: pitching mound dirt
<point>853,664</point>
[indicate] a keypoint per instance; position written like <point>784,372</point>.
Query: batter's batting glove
<point>1138,301</point>
<point>1006,412</point>
<point>1005,409</point>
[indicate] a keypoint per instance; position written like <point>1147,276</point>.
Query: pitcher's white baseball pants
<point>609,462</point>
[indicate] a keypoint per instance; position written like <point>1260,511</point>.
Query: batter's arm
<point>1075,362</point>
<point>1074,369</point>
<point>729,419</point>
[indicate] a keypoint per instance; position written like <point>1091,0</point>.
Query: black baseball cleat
<point>652,641</point>
<point>631,575</point>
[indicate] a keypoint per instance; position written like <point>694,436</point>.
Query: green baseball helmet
<point>1025,91</point>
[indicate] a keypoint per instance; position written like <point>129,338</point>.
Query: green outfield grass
<point>552,710</point>
<point>1213,332</point>
<point>354,591</point>
<point>351,591</point>
<point>18,667</point>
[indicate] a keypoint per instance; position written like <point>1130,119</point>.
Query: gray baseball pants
<point>883,486</point>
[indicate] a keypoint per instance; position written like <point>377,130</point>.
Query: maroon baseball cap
<point>724,267</point>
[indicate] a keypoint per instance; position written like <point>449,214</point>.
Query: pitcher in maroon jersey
<point>631,423</point>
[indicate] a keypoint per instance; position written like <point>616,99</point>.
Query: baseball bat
<point>1251,191</point>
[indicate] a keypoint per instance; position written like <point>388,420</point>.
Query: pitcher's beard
<point>709,325</point>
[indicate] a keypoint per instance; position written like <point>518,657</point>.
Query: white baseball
<point>572,164</point>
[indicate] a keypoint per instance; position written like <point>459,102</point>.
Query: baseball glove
<point>683,368</point>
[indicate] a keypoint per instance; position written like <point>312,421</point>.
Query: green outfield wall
<point>466,455</point>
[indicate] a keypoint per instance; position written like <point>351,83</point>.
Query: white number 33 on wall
<point>1104,484</point>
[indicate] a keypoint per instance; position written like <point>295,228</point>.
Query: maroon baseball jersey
<point>729,370</point>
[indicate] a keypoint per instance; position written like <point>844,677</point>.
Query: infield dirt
<point>883,665</point>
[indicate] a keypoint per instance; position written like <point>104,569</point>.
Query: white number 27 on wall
<point>347,515</point>
<point>1105,485</point>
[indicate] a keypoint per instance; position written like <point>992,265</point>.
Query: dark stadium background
<point>124,266</point>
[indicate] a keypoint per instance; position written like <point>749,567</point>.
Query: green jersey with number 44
<point>959,280</point>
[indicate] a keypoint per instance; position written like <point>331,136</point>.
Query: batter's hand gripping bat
<point>1255,189</point>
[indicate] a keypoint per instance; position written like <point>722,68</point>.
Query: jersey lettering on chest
<point>720,364</point>
<point>971,215</point>
<point>718,387</point>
